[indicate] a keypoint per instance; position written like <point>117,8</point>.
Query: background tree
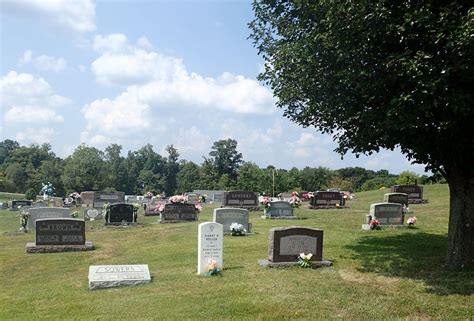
<point>116,169</point>
<point>84,170</point>
<point>188,178</point>
<point>171,170</point>
<point>381,74</point>
<point>225,157</point>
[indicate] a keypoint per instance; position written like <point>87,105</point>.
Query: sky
<point>157,72</point>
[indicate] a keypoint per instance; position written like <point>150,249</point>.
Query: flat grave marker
<point>109,276</point>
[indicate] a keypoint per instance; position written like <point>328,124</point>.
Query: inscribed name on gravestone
<point>121,213</point>
<point>100,198</point>
<point>240,199</point>
<point>285,244</point>
<point>107,276</point>
<point>400,198</point>
<point>387,213</point>
<point>60,231</point>
<point>327,198</point>
<point>414,192</point>
<point>279,209</point>
<point>178,212</point>
<point>210,245</point>
<point>227,216</point>
<point>46,212</point>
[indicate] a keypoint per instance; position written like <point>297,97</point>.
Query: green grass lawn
<point>388,274</point>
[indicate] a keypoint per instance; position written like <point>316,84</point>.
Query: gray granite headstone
<point>91,214</point>
<point>400,198</point>
<point>240,199</point>
<point>415,192</point>
<point>387,213</point>
<point>193,198</point>
<point>327,198</point>
<point>46,212</point>
<point>100,198</point>
<point>226,216</point>
<point>279,209</point>
<point>108,276</point>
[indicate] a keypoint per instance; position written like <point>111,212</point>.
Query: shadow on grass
<point>419,256</point>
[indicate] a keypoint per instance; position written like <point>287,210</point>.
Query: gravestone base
<point>152,213</point>
<point>315,264</point>
<point>366,227</point>
<point>324,207</point>
<point>184,217</point>
<point>279,217</point>
<point>417,201</point>
<point>31,247</point>
<point>250,209</point>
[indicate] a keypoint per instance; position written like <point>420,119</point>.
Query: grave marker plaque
<point>60,231</point>
<point>108,276</point>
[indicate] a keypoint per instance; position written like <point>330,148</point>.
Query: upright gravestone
<point>415,192</point>
<point>193,198</point>
<point>210,245</point>
<point>108,276</point>
<point>286,244</point>
<point>101,198</point>
<point>327,199</point>
<point>121,214</point>
<point>152,207</point>
<point>241,199</point>
<point>285,196</point>
<point>227,216</point>
<point>91,214</point>
<point>3,205</point>
<point>388,214</point>
<point>46,212</point>
<point>16,204</point>
<point>279,209</point>
<point>87,198</point>
<point>59,235</point>
<point>178,212</point>
<point>400,198</point>
<point>131,199</point>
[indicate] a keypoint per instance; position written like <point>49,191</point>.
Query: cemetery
<point>262,275</point>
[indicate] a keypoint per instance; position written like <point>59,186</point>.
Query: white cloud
<point>144,43</point>
<point>31,115</point>
<point>114,42</point>
<point>77,15</point>
<point>35,135</point>
<point>43,62</point>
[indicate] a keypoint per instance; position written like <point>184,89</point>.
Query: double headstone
<point>388,214</point>
<point>121,214</point>
<point>227,216</point>
<point>279,209</point>
<point>210,246</point>
<point>400,198</point>
<point>36,213</point>
<point>241,199</point>
<point>415,192</point>
<point>16,204</point>
<point>327,199</point>
<point>286,244</point>
<point>178,212</point>
<point>59,235</point>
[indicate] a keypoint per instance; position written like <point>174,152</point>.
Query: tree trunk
<point>461,220</point>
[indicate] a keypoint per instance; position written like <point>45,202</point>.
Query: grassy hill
<point>376,274</point>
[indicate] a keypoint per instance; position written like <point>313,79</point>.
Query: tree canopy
<point>381,74</point>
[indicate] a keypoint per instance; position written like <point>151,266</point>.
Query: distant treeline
<point>26,168</point>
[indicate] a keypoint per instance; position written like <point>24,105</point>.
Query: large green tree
<point>84,170</point>
<point>381,74</point>
<point>225,157</point>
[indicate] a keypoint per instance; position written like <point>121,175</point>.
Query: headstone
<point>193,198</point>
<point>227,216</point>
<point>16,204</point>
<point>218,197</point>
<point>415,192</point>
<point>400,198</point>
<point>178,212</point>
<point>279,209</point>
<point>46,212</point>
<point>285,196</point>
<point>386,213</point>
<point>241,199</point>
<point>286,244</point>
<point>87,198</point>
<point>121,213</point>
<point>327,199</point>
<point>59,235</point>
<point>131,199</point>
<point>210,245</point>
<point>91,214</point>
<point>100,198</point>
<point>152,207</point>
<point>3,205</point>
<point>108,276</point>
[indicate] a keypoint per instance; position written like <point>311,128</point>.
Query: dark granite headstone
<point>327,199</point>
<point>285,244</point>
<point>18,204</point>
<point>415,192</point>
<point>400,198</point>
<point>241,199</point>
<point>178,212</point>
<point>60,231</point>
<point>121,213</point>
<point>279,209</point>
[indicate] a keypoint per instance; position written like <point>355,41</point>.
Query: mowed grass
<point>388,274</point>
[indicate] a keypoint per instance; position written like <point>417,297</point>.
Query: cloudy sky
<point>158,72</point>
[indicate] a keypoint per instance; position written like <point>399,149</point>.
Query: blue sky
<point>158,72</point>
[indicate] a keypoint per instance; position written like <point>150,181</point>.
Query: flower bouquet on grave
<point>178,199</point>
<point>375,224</point>
<point>411,222</point>
<point>266,202</point>
<point>159,207</point>
<point>198,207</point>
<point>237,229</point>
<point>212,269</point>
<point>304,260</point>
<point>148,194</point>
<point>24,216</point>
<point>295,201</point>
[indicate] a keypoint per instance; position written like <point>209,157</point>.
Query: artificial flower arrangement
<point>24,220</point>
<point>212,268</point>
<point>304,260</point>
<point>266,202</point>
<point>374,224</point>
<point>183,199</point>
<point>295,201</point>
<point>148,195</point>
<point>411,221</point>
<point>237,229</point>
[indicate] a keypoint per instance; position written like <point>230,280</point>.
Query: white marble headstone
<point>107,276</point>
<point>210,245</point>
